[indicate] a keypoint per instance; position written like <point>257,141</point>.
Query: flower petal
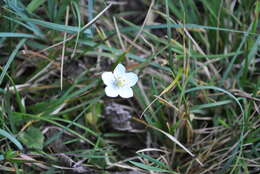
<point>131,79</point>
<point>108,78</point>
<point>119,70</point>
<point>111,91</point>
<point>125,92</point>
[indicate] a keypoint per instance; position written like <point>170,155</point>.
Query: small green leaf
<point>10,154</point>
<point>32,138</point>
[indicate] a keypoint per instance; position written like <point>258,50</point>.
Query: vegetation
<point>195,108</point>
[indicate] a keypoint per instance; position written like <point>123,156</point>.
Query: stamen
<point>120,82</point>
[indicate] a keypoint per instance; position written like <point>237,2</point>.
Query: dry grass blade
<point>168,88</point>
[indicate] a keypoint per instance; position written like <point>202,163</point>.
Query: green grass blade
<point>217,89</point>
<point>2,34</point>
<point>34,4</point>
<point>210,105</point>
<point>155,161</point>
<point>53,26</point>
<point>150,168</point>
<point>10,59</point>
<point>188,26</point>
<point>228,69</point>
<point>89,31</point>
<point>11,138</point>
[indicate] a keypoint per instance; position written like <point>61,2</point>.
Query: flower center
<point>120,81</point>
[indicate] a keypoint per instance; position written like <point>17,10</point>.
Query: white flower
<point>119,82</point>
